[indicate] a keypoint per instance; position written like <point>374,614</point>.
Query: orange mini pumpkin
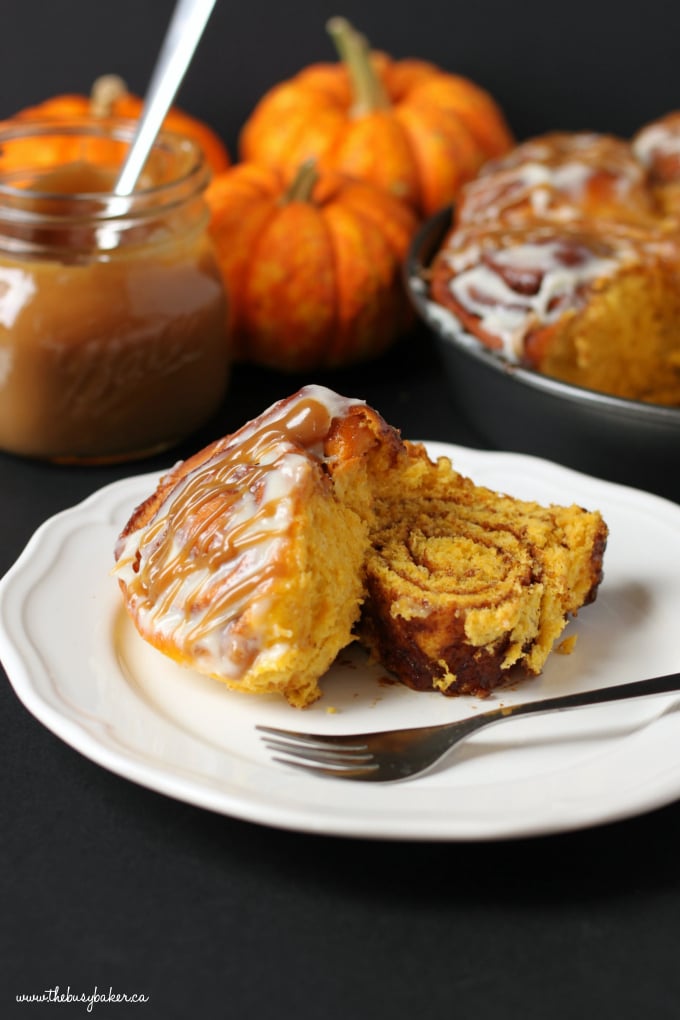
<point>413,129</point>
<point>312,266</point>
<point>110,98</point>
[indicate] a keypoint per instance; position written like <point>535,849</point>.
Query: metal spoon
<point>184,32</point>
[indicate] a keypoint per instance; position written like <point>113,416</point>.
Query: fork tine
<point>330,756</point>
<point>317,752</point>
<point>330,771</point>
<point>350,742</point>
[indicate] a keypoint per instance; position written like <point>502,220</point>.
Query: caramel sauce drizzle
<point>200,572</point>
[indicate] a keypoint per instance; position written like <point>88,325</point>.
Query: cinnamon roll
<point>467,588</point>
<point>560,176</point>
<point>246,563</point>
<point>564,257</point>
<point>259,558</point>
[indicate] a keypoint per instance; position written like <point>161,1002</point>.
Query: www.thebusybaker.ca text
<point>89,999</point>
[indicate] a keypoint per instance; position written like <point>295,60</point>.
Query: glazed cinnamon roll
<point>564,258</point>
<point>259,558</point>
<point>246,563</point>
<point>560,177</point>
<point>594,307</point>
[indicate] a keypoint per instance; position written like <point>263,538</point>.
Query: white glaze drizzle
<point>508,314</point>
<point>556,190</point>
<point>202,578</point>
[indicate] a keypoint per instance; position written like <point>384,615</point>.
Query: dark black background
<point>105,883</point>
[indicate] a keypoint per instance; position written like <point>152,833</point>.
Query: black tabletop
<point>108,886</point>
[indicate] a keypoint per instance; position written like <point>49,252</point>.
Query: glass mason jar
<point>113,320</point>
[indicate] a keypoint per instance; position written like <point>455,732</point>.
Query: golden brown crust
<point>399,645</point>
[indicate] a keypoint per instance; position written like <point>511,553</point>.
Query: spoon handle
<point>184,32</point>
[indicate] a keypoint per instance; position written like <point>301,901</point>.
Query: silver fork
<point>394,755</point>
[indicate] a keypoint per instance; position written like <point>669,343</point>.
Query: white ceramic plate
<point>80,668</point>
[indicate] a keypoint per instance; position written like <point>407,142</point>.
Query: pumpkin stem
<point>300,189</point>
<point>104,93</point>
<point>354,51</point>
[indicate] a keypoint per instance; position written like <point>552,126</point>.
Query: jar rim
<point>195,175</point>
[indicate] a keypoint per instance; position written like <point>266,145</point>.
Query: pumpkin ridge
<point>471,104</point>
<point>367,213</point>
<point>288,304</point>
<point>400,311</point>
<point>369,324</point>
<point>256,187</point>
<point>334,329</point>
<point>445,158</point>
<point>278,130</point>
<point>388,163</point>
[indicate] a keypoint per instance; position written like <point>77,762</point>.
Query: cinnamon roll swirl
<point>467,588</point>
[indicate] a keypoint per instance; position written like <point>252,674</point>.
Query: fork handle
<point>621,692</point>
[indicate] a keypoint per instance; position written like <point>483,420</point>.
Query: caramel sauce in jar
<point>113,320</point>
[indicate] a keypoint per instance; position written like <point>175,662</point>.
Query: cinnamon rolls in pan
<point>564,256</point>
